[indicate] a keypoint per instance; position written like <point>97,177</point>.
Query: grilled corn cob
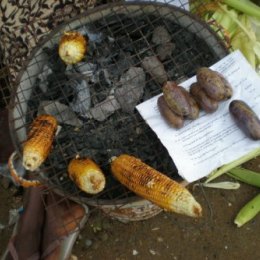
<point>72,47</point>
<point>39,142</point>
<point>18,179</point>
<point>154,186</point>
<point>87,175</point>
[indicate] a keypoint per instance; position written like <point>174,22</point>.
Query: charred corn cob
<point>87,175</point>
<point>154,186</point>
<point>39,142</point>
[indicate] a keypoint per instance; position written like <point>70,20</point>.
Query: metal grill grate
<point>121,39</point>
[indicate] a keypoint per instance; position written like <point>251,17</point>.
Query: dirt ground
<point>167,235</point>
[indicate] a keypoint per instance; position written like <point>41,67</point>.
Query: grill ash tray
<point>132,49</point>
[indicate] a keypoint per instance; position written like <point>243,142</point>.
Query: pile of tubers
<point>177,103</point>
<point>211,87</point>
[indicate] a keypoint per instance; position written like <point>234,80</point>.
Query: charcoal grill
<point>120,37</point>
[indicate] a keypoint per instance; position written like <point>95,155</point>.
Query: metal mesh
<point>125,32</point>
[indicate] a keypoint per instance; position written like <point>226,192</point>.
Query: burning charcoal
<point>63,113</point>
<point>82,101</point>
<point>103,110</point>
<point>133,83</point>
<point>155,68</point>
<point>43,78</point>
<point>160,35</point>
<point>165,50</point>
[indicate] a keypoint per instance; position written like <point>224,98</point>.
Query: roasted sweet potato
<point>246,118</point>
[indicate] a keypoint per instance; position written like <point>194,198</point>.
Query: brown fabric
<point>24,23</point>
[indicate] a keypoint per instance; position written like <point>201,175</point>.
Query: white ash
<point>64,114</point>
<point>58,130</point>
<point>86,68</point>
<point>46,71</point>
<point>162,38</point>
<point>92,34</point>
<point>160,35</point>
<point>83,70</point>
<point>155,68</point>
<point>128,97</point>
<point>165,50</point>
<point>104,109</point>
<point>132,89</point>
<point>134,76</point>
<point>82,100</point>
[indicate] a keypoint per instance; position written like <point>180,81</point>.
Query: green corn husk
<point>236,22</point>
<point>248,212</point>
<point>228,167</point>
<point>245,175</point>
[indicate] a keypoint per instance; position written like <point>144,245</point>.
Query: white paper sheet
<point>212,140</point>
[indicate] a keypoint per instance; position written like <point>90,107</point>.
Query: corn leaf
<point>226,21</point>
<point>225,168</point>
<point>244,6</point>
<point>241,42</point>
<point>245,175</point>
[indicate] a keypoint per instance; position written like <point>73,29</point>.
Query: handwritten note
<point>212,140</point>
